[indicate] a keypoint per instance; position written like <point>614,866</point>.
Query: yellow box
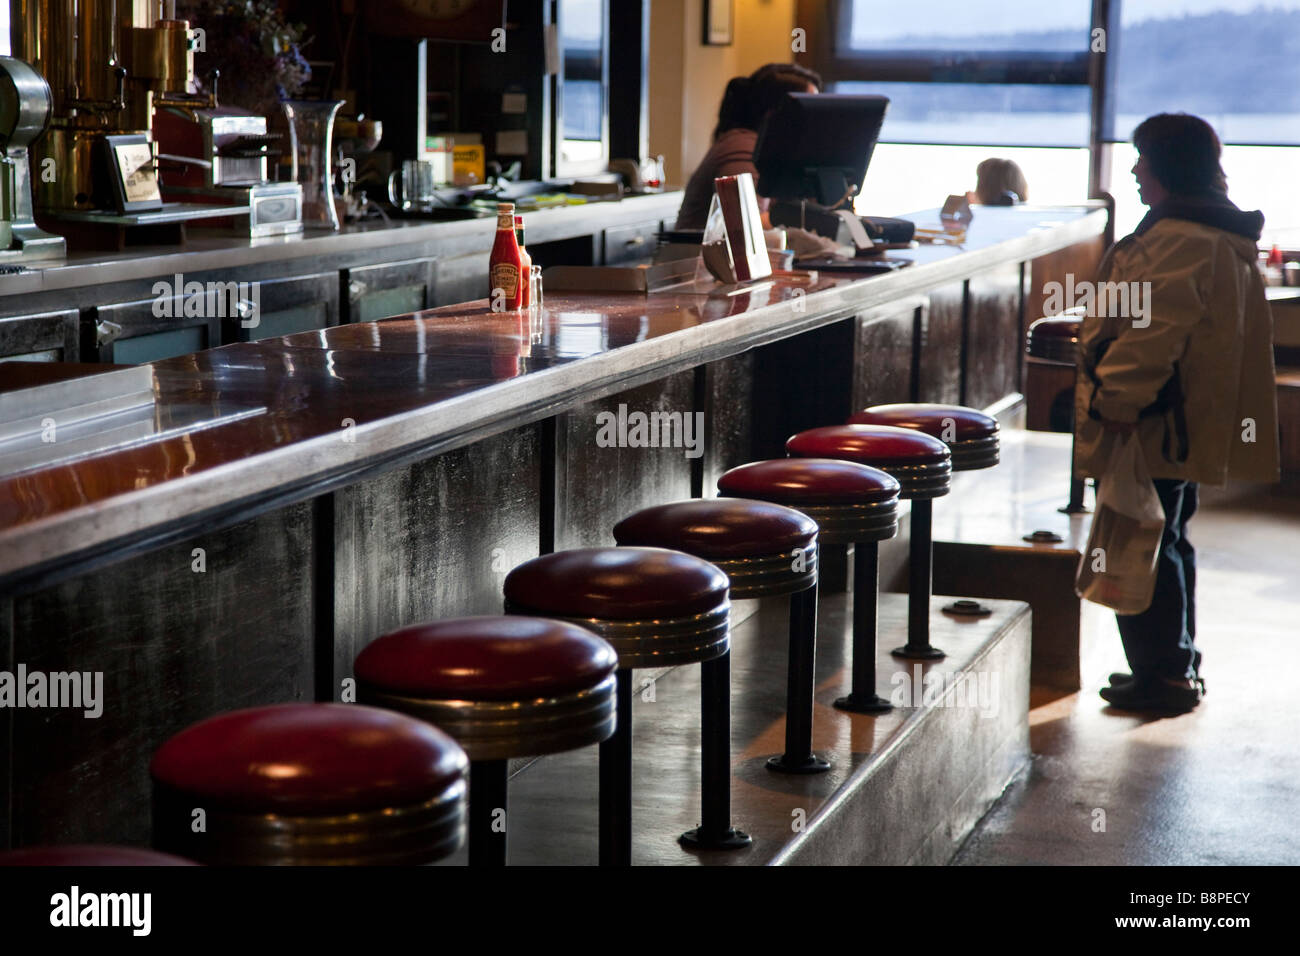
<point>469,164</point>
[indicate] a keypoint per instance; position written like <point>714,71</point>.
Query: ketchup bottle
<point>525,263</point>
<point>505,267</point>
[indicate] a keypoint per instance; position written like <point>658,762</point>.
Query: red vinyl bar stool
<point>852,504</point>
<point>923,468</point>
<point>90,855</point>
<point>309,784</point>
<point>970,435</point>
<point>502,687</point>
<point>765,550</point>
<point>1056,339</point>
<point>657,608</point>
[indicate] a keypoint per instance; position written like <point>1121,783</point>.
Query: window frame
<point>568,169</point>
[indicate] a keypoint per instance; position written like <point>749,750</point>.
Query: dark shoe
<point>1159,696</point>
<point>1120,678</point>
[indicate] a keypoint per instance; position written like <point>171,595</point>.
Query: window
<point>966,81</point>
<point>582,98</point>
<point>1259,177</point>
<point>904,178</point>
<point>1013,73</point>
<point>959,25</point>
<point>1236,64</point>
<point>981,113</point>
<point>975,78</point>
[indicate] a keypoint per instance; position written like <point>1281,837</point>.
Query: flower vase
<point>311,134</point>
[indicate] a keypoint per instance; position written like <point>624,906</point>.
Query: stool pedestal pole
<point>862,697</point>
<point>800,682</point>
<point>920,579</point>
<point>715,831</point>
<point>616,781</point>
<point>487,826</point>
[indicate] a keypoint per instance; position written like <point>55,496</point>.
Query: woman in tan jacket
<point>1186,362</point>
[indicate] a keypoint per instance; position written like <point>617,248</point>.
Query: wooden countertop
<point>352,401</point>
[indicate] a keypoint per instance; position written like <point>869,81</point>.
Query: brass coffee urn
<point>108,63</point>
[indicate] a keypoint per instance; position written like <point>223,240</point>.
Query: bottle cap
<point>505,207</point>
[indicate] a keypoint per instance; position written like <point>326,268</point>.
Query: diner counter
<point>333,407</point>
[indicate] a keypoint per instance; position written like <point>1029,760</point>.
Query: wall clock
<point>472,20</point>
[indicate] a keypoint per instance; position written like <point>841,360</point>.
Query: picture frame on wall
<point>719,22</point>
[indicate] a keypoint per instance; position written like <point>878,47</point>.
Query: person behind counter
<point>999,182</point>
<point>745,103</point>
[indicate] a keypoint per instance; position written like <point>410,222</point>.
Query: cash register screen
<point>816,145</point>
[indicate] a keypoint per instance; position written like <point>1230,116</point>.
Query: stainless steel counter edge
<point>295,472</point>
<point>208,253</point>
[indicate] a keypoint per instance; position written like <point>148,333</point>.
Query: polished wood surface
<point>351,401</point>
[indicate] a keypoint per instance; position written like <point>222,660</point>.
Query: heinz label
<point>505,277</point>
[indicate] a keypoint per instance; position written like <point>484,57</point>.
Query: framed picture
<point>719,26</point>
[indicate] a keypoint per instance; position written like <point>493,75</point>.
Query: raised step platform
<point>980,551</point>
<point>906,787</point>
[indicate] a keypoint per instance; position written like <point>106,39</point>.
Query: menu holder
<point>956,209</point>
<point>126,173</point>
<point>734,248</point>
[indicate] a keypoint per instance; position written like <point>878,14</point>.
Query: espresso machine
<point>111,66</point>
<point>24,114</point>
<point>219,155</point>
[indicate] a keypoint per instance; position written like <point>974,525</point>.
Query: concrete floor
<point>1218,786</point>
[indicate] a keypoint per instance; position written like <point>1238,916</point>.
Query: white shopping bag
<point>1118,568</point>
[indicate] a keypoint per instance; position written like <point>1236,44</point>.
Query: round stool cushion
<point>880,446</point>
<point>719,528</point>
<point>809,481</point>
<point>309,759</point>
<point>765,549</point>
<point>619,584</point>
<point>938,421</point>
<point>922,464</point>
<point>851,503</point>
<point>970,435</point>
<point>1055,338</point>
<point>487,658</point>
<point>90,855</point>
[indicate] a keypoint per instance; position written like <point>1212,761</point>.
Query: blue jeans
<point>1161,641</point>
